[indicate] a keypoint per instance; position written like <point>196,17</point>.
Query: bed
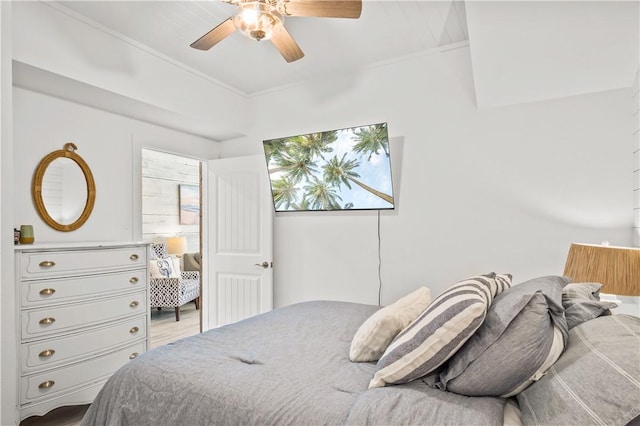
<point>292,366</point>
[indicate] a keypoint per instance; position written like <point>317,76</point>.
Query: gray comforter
<point>288,366</point>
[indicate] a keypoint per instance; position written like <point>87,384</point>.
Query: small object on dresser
<point>26,234</point>
<point>16,236</point>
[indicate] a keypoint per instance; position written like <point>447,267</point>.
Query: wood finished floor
<point>164,329</point>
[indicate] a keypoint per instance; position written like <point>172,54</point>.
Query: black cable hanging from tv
<point>379,264</point>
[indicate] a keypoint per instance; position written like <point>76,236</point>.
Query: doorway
<point>171,215</point>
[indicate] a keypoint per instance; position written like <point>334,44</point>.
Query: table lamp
<point>177,245</point>
<point>616,268</point>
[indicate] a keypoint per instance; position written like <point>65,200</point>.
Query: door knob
<point>264,264</point>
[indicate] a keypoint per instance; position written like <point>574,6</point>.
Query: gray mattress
<point>288,366</point>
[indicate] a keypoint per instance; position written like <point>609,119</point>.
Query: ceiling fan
<point>264,20</point>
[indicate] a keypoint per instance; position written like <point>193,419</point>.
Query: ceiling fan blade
<point>215,36</point>
<point>323,8</point>
<point>287,46</point>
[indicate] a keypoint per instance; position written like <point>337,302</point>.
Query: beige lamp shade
<point>177,245</point>
<point>616,268</point>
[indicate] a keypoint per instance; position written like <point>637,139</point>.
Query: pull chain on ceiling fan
<point>264,20</point>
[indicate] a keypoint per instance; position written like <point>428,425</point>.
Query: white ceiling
<point>525,51</point>
<point>521,51</point>
<point>385,30</point>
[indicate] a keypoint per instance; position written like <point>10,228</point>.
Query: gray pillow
<point>513,343</point>
<point>595,381</point>
<point>191,261</point>
<point>582,303</point>
<point>584,291</point>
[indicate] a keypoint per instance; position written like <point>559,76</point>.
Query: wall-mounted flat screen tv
<point>344,169</point>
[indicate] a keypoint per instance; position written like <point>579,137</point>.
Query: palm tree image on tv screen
<point>345,169</point>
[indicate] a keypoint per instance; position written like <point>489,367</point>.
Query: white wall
<point>7,322</point>
<point>505,189</point>
<point>635,113</point>
<point>109,143</point>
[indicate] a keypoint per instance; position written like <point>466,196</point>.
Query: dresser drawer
<point>49,320</point>
<point>56,382</point>
<point>58,290</point>
<point>55,352</point>
<point>34,265</point>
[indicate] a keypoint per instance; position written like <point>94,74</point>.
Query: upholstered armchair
<point>173,292</point>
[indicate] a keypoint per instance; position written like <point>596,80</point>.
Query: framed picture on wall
<point>189,204</point>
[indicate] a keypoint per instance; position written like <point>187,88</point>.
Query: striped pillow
<point>440,330</point>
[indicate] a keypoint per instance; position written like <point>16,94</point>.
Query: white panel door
<point>239,240</point>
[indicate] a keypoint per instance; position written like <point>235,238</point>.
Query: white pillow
<point>177,267</point>
<point>375,334</point>
<point>167,267</point>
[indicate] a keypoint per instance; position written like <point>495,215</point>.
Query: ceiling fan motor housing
<point>258,19</point>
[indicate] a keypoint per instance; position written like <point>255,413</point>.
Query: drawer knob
<point>133,280</point>
<point>134,257</point>
<point>47,321</point>
<point>47,384</point>
<point>47,291</point>
<point>46,353</point>
<point>134,330</point>
<point>134,304</point>
<point>133,355</point>
<point>47,263</point>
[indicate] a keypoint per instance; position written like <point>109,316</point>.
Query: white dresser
<point>83,313</point>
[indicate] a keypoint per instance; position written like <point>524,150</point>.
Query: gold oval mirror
<point>63,189</point>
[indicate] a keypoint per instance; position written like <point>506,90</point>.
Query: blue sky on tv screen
<point>375,172</point>
<point>370,166</point>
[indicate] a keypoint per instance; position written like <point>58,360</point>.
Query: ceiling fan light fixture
<point>263,20</point>
<point>257,20</point>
